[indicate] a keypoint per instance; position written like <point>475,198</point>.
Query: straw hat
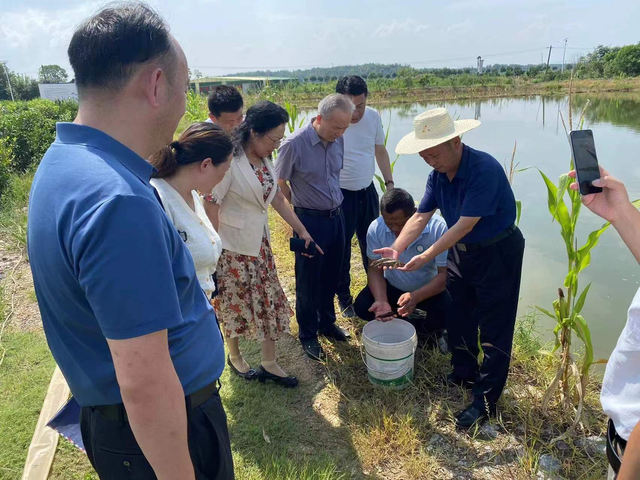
<point>432,128</point>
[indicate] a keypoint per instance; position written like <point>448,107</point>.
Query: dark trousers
<point>317,277</point>
<point>115,455</point>
<point>484,285</point>
<point>360,208</point>
<point>435,307</point>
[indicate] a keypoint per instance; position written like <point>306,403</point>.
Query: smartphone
<point>585,160</point>
<point>297,245</point>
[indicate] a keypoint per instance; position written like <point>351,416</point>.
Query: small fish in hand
<point>387,262</point>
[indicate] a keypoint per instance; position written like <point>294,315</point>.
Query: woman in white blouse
<point>197,161</point>
<point>620,394</point>
<point>251,302</point>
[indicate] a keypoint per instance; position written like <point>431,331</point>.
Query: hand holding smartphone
<point>585,160</point>
<point>297,245</point>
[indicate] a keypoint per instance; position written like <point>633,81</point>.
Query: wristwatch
<point>388,182</point>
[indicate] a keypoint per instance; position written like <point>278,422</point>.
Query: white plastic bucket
<point>390,352</point>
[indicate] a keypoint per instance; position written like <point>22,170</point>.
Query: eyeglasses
<point>276,143</point>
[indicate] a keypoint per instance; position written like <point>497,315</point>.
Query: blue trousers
<point>484,285</point>
<point>317,277</point>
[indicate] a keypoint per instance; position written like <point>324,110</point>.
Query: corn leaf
<point>559,212</point>
<point>582,330</point>
<point>546,312</point>
<point>576,201</point>
<point>518,211</point>
<point>563,183</point>
<point>583,255</point>
<point>581,299</point>
<point>556,331</point>
<point>383,187</point>
<point>386,135</point>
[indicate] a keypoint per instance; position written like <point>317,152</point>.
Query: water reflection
<point>619,109</point>
<point>536,123</point>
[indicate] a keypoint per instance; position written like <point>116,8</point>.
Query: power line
<point>418,62</point>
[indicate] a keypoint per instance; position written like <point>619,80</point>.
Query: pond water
<point>535,123</point>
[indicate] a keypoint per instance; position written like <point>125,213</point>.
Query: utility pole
<point>548,58</point>
<point>564,53</point>
<point>4,64</point>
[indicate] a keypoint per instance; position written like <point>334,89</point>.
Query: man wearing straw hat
<point>485,261</point>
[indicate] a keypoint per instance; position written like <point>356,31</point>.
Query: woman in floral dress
<point>250,301</point>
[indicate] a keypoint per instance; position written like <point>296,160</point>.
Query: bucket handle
<point>364,360</point>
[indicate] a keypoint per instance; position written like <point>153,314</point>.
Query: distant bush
<point>30,127</point>
<point>6,155</point>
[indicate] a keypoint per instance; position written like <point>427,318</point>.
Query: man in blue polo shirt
<point>473,193</point>
<point>122,309</point>
<point>400,292</point>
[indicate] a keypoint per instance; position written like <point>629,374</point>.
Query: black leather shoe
<point>250,374</point>
<point>313,349</point>
<point>287,382</point>
<point>456,381</point>
<point>336,333</point>
<point>472,416</point>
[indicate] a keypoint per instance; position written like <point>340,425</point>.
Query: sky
<point>229,36</point>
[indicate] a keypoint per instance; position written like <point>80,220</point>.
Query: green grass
<point>13,211</point>
<point>335,425</point>
<point>24,378</point>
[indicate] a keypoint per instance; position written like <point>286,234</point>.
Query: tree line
<point>603,62</point>
<point>24,87</point>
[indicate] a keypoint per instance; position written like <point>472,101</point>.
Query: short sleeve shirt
<point>620,395</point>
<point>380,236</point>
<point>108,263</point>
<point>360,141</point>
<point>312,169</point>
<point>479,189</point>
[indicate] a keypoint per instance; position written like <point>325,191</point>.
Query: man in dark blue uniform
<point>485,261</point>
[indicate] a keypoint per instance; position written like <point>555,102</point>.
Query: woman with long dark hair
<point>250,301</point>
<point>197,161</point>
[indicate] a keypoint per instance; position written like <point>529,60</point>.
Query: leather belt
<point>466,247</point>
<point>318,213</point>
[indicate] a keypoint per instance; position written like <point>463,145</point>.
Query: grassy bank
<point>517,87</point>
<point>393,96</point>
<point>335,425</point>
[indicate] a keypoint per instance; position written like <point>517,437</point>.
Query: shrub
<point>6,155</point>
<point>31,128</point>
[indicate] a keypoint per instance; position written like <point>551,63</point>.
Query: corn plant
<point>571,376</point>
<point>510,172</point>
<point>295,119</point>
<point>383,187</point>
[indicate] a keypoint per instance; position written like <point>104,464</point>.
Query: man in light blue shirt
<point>392,290</point>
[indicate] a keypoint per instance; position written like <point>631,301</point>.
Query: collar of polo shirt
<point>72,133</point>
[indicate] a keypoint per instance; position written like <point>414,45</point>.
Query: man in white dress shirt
<point>363,146</point>
<point>620,395</point>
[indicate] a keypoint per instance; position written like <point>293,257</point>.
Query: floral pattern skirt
<point>250,300</point>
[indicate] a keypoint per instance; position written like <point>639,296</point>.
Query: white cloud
<point>41,35</point>
<point>395,27</point>
<point>460,27</point>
